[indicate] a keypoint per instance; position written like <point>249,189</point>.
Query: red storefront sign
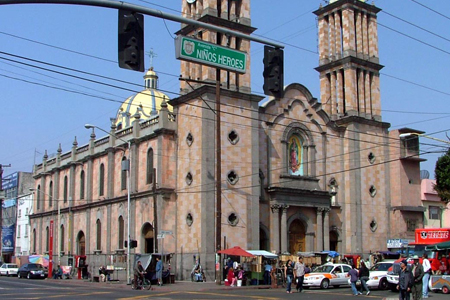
<point>430,236</point>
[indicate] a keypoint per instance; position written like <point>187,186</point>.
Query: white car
<point>9,269</point>
<point>327,275</point>
<point>378,274</point>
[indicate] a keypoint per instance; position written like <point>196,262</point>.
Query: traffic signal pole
<point>149,12</point>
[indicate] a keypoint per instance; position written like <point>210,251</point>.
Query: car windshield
<point>323,269</point>
<point>12,266</point>
<point>381,267</point>
<point>35,266</point>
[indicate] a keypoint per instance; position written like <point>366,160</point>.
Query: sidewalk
<point>177,286</point>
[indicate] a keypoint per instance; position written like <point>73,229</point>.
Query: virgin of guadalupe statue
<point>294,155</point>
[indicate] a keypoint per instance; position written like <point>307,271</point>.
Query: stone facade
<point>297,173</point>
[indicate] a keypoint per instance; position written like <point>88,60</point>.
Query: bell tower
<point>231,14</point>
<point>348,59</point>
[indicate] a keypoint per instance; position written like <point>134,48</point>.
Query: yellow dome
<point>147,103</point>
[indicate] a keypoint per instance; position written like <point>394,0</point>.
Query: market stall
<point>238,252</point>
<point>257,266</point>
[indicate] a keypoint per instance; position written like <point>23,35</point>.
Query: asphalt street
<point>14,288</point>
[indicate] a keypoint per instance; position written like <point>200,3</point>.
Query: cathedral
<point>296,174</point>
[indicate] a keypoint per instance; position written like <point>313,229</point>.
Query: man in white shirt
<point>426,276</point>
<point>299,274</point>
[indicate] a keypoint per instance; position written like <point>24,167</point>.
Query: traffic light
<point>131,40</point>
<point>133,244</point>
<point>273,71</point>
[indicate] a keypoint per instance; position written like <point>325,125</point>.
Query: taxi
<point>327,275</point>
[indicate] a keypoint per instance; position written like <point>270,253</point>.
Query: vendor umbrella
<point>235,251</point>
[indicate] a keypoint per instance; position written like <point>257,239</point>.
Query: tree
<point>442,175</point>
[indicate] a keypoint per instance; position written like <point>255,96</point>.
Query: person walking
<point>289,272</point>
<point>299,273</point>
<point>364,275</point>
<point>417,273</point>
<point>158,270</point>
<point>426,276</point>
<point>405,281</point>
<point>353,273</point>
<point>267,270</point>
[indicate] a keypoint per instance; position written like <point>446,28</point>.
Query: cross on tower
<point>151,54</point>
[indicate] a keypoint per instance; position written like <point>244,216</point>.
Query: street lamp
<point>59,231</point>
<point>90,126</point>
<point>408,134</point>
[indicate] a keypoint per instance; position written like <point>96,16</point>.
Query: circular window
<point>372,191</point>
<point>189,139</point>
<point>233,219</point>
<point>371,157</point>
<point>189,219</point>
<point>232,177</point>
<point>189,178</point>
<point>373,225</point>
<point>233,137</point>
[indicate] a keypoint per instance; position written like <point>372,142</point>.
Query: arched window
<point>99,234</point>
<point>65,189</point>
<point>124,175</point>
<point>101,183</point>
<point>82,184</point>
<point>150,166</point>
<point>34,241</point>
<point>50,194</point>
<point>38,197</point>
<point>61,238</point>
<point>295,155</point>
<point>47,239</point>
<point>121,232</point>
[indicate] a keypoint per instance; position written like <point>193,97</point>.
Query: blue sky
<point>41,109</point>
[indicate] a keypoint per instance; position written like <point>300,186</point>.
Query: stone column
<point>284,232</point>
<point>275,228</point>
<point>319,230</point>
<point>326,229</point>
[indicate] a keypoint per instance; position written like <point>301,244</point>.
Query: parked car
<point>378,273</point>
<point>327,275</point>
<point>9,269</point>
<point>32,271</point>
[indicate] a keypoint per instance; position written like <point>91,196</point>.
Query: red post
<point>50,251</point>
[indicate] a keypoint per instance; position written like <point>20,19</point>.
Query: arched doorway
<point>334,241</point>
<point>296,237</point>
<point>81,243</point>
<point>148,238</point>
<point>263,240</point>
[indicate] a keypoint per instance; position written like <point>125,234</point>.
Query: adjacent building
<point>14,184</point>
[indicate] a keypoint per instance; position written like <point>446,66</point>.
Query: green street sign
<point>205,53</point>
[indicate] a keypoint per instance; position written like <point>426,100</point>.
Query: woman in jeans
<point>289,272</point>
<point>363,277</point>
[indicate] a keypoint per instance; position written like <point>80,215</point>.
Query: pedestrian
<point>267,270</point>
<point>364,275</point>
<point>426,276</point>
<point>405,281</point>
<point>158,270</point>
<point>417,273</point>
<point>289,272</point>
<point>353,273</point>
<point>299,273</point>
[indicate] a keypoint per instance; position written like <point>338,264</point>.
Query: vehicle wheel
<point>306,287</point>
<point>383,285</point>
<point>324,284</point>
<point>445,289</point>
<point>28,276</point>
<point>132,284</point>
<point>148,285</point>
<point>18,275</point>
